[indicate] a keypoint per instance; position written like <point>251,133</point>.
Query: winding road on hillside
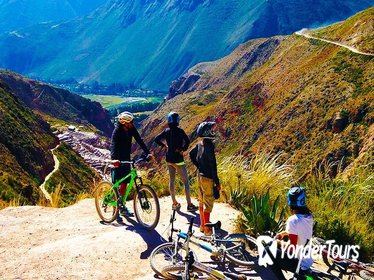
<point>57,165</point>
<point>304,32</point>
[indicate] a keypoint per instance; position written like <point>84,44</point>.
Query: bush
<point>260,216</point>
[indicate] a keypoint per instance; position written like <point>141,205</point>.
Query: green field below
<point>111,100</point>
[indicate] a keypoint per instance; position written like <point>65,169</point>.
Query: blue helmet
<point>296,197</point>
<point>173,118</point>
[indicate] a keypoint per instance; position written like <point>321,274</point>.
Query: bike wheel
<point>366,275</point>
<point>106,202</point>
<point>178,272</point>
<point>241,249</point>
<point>166,254</point>
<point>146,207</point>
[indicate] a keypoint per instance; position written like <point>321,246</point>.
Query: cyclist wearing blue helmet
<point>176,141</point>
<point>299,229</point>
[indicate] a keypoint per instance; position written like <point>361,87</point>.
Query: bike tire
<point>178,272</point>
<point>163,255</point>
<point>242,249</point>
<point>146,207</point>
<point>366,275</point>
<point>105,196</point>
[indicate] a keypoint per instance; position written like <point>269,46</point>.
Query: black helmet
<point>296,197</point>
<point>173,118</point>
<point>205,130</point>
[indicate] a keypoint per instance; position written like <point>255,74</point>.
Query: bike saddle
<point>216,226</point>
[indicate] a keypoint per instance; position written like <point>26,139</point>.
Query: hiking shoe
<point>208,231</point>
<point>176,206</point>
<point>192,208</point>
<point>126,212</point>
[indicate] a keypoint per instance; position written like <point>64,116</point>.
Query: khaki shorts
<point>206,193</point>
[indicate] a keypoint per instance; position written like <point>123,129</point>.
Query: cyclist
<point>177,142</point>
<point>120,149</point>
<point>299,229</point>
<point>203,156</point>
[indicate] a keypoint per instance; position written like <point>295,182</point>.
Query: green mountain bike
<point>146,204</point>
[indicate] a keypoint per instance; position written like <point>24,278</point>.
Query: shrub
<point>240,176</point>
<point>261,216</point>
<point>344,209</point>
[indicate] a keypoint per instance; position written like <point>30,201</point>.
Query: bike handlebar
<point>140,159</point>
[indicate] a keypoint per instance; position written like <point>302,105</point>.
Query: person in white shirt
<point>299,230</point>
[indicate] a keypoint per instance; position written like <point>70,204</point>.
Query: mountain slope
<point>311,100</point>
<point>16,14</point>
<point>59,104</point>
<point>26,139</point>
<point>149,43</point>
<point>24,143</point>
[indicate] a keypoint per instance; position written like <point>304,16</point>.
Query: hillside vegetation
<point>309,102</point>
<point>26,139</point>
<point>24,143</point>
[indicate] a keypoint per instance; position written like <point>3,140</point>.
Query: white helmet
<point>125,117</point>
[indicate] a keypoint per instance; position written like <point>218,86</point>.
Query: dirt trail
<point>56,167</point>
<point>304,32</point>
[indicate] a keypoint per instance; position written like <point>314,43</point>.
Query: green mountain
<point>147,44</point>
<point>16,14</point>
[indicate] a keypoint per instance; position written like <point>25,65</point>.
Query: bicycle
<point>146,204</point>
<point>190,268</point>
<point>346,266</point>
<point>238,249</point>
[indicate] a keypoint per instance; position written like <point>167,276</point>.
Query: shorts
<point>206,193</point>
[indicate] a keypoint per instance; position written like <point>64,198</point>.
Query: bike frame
<point>133,175</point>
<point>184,236</point>
<point>191,262</point>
